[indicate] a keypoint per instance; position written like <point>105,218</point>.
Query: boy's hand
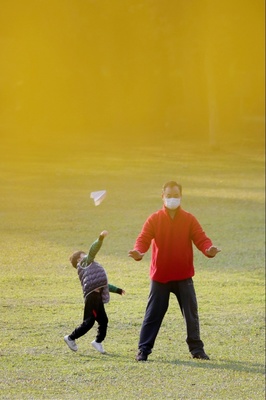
<point>123,292</point>
<point>103,234</point>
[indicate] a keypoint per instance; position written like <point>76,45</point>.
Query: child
<point>96,289</point>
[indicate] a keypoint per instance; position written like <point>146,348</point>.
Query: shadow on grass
<point>226,364</point>
<point>241,366</point>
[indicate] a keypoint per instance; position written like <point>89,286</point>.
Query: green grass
<point>46,213</point>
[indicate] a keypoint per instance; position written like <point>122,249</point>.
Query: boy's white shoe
<point>71,343</point>
<point>98,346</point>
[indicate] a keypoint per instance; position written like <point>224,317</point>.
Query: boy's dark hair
<point>75,256</point>
<point>171,184</point>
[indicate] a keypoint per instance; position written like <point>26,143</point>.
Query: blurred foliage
<point>127,69</point>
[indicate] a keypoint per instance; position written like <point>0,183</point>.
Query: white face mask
<point>172,203</point>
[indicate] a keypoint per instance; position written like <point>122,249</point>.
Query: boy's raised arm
<point>95,247</point>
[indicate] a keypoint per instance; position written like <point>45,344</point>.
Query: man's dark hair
<point>74,257</point>
<point>172,184</point>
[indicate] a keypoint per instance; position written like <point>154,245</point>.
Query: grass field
<point>46,213</point>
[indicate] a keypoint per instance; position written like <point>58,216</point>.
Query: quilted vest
<point>93,276</point>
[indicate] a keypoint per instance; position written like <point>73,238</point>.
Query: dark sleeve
<point>114,289</point>
<point>95,247</point>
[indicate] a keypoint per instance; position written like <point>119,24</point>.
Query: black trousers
<point>93,311</point>
<point>157,306</point>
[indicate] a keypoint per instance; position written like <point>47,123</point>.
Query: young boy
<point>96,289</point>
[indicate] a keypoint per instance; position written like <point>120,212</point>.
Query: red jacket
<point>172,252</point>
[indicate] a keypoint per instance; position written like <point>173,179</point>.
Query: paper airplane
<point>98,197</point>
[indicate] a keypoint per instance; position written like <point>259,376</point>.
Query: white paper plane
<point>98,197</point>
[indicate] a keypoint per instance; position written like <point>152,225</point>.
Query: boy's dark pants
<point>93,311</point>
<point>157,306</point>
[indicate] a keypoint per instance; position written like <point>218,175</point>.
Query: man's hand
<point>212,251</point>
<point>137,255</point>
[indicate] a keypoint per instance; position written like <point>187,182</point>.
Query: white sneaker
<point>71,343</point>
<point>98,346</point>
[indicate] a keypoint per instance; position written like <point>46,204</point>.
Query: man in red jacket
<point>171,231</point>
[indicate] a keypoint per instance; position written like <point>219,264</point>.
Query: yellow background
<point>131,69</point>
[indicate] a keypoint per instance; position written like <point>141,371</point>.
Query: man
<point>172,231</point>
